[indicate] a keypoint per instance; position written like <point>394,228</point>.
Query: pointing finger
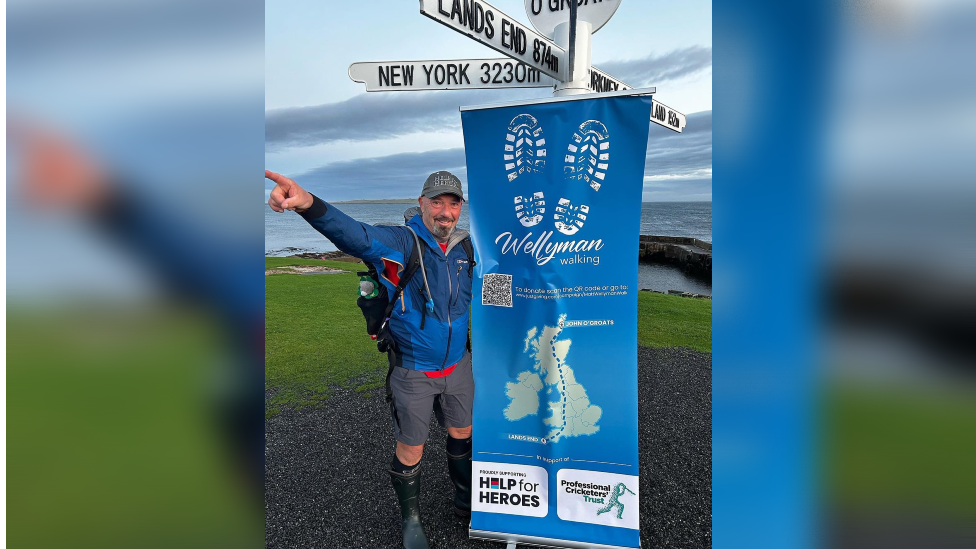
<point>279,179</point>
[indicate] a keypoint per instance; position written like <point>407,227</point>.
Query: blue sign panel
<point>555,193</point>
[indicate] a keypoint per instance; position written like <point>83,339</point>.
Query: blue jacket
<point>443,339</point>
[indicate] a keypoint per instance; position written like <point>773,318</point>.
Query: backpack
<point>377,310</point>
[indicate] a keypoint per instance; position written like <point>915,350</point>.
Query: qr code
<point>497,290</point>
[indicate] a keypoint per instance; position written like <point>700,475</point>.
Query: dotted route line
<point>562,380</point>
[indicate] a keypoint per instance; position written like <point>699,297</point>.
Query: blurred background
<point>899,427</point>
<point>135,138</point>
<point>845,274</point>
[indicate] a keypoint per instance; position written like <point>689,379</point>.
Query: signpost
<point>534,60</point>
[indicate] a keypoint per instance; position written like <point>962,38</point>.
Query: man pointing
<point>430,356</point>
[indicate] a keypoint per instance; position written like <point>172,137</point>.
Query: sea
<point>287,234</point>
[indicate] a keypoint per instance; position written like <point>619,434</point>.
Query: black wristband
<point>316,210</point>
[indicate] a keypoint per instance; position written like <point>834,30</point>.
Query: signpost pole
<point>581,58</point>
<point>572,37</point>
<point>575,38</point>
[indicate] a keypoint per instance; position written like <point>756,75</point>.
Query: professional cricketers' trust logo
<point>587,161</point>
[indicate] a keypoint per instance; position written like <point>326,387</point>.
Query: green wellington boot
<point>460,469</point>
<point>407,488</point>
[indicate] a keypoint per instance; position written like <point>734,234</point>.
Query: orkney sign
<point>546,14</point>
<point>457,74</point>
<point>486,24</point>
<point>600,82</point>
<point>661,114</point>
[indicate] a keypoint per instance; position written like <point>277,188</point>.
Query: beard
<point>439,231</point>
<point>442,231</point>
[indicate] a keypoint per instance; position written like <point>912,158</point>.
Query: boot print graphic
<point>529,209</point>
<point>569,218</point>
<point>588,156</point>
<point>525,147</point>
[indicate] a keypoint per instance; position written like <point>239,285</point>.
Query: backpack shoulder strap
<point>413,263</point>
<point>469,249</point>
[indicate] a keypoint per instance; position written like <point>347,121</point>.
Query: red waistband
<point>442,373</point>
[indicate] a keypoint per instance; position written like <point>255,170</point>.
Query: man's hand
<point>287,195</point>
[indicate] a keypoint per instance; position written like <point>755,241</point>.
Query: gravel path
<point>326,483</point>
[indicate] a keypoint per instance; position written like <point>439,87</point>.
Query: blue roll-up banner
<point>555,196</point>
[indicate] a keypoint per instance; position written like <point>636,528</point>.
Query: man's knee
<point>459,432</point>
<point>409,455</point>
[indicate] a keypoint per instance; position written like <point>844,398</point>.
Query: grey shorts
<point>415,396</point>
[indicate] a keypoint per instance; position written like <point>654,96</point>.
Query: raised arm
<point>353,237</point>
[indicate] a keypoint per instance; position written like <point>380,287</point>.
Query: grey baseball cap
<point>442,182</point>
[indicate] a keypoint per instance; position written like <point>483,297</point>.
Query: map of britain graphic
<point>570,414</point>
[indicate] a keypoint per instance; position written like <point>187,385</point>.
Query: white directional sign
<point>666,116</point>
<point>546,14</point>
<point>464,74</point>
<point>660,113</point>
<point>602,82</point>
<point>456,74</point>
<point>486,24</point>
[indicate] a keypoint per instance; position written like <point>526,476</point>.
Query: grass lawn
<point>315,335</point>
<point>672,321</point>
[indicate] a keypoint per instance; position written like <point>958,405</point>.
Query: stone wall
<point>691,255</point>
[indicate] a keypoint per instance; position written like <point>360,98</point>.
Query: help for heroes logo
<point>510,489</point>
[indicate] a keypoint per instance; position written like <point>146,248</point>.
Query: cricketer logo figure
<point>618,491</point>
<point>525,147</point>
<point>588,156</point>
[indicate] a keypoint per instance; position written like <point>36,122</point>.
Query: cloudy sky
<point>341,143</point>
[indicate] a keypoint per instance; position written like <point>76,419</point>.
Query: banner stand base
<point>520,539</point>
